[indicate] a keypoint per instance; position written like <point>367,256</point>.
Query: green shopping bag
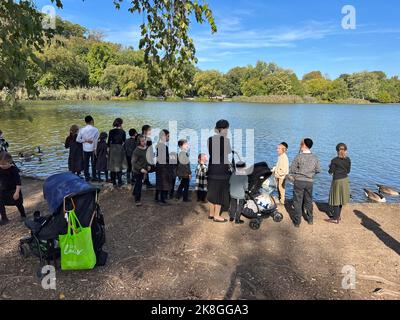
<point>76,246</point>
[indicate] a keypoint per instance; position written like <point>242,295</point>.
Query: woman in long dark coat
<point>219,172</point>
<point>163,170</point>
<point>117,158</point>
<point>75,158</point>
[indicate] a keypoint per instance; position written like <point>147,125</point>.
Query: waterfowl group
<point>378,196</point>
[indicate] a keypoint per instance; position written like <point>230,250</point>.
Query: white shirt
<point>88,133</point>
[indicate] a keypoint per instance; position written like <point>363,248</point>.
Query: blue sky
<point>299,35</point>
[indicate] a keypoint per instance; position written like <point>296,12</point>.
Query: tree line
<point>75,57</point>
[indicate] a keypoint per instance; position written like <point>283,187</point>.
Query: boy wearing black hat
<point>281,170</point>
<point>303,169</point>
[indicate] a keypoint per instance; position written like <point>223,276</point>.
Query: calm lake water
<point>372,133</point>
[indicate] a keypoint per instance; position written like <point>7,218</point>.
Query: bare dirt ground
<point>177,253</point>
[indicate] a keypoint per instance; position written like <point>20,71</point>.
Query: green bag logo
<point>71,249</point>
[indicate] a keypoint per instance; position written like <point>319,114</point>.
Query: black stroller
<point>259,203</point>
<point>64,192</point>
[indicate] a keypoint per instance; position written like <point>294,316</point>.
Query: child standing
<point>102,156</point>
<point>183,171</point>
<point>75,158</point>
<point>130,146</point>
<point>140,168</point>
<point>201,178</point>
<point>3,143</point>
<point>173,164</point>
<point>10,187</point>
<point>239,184</point>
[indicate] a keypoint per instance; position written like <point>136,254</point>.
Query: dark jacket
<point>75,158</point>
<point>163,170</point>
<point>183,169</point>
<point>101,156</point>
<point>139,160</point>
<point>340,168</point>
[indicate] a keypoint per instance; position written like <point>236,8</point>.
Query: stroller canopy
<point>62,185</point>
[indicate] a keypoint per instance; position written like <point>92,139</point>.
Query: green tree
<point>125,80</point>
<point>209,83</point>
<point>254,87</point>
<point>234,78</point>
<point>364,85</point>
<point>313,75</point>
<point>63,69</point>
<point>99,57</point>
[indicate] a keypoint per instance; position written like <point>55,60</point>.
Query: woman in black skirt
<point>219,172</point>
<point>117,159</point>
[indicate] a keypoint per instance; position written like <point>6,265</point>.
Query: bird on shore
<point>388,190</point>
<point>377,197</point>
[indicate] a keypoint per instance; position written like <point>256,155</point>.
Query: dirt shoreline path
<point>176,253</point>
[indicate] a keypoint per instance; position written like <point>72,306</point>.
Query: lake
<point>371,131</point>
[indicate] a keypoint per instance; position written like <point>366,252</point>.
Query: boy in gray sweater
<point>239,184</point>
<point>303,169</point>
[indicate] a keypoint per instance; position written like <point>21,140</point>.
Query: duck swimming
<point>374,196</point>
<point>388,190</point>
<point>26,156</point>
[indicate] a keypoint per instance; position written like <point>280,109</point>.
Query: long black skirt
<point>218,193</point>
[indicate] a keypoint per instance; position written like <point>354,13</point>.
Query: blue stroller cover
<point>61,185</point>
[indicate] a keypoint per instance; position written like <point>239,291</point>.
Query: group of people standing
<point>217,183</point>
<point>301,173</point>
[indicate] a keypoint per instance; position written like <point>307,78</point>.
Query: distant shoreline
<point>254,100</point>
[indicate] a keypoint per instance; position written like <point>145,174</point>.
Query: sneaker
<point>138,204</point>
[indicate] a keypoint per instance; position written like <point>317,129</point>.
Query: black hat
<point>240,165</point>
<point>285,145</point>
<point>309,143</point>
<point>222,124</point>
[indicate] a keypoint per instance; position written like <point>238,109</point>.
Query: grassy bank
<point>99,94</point>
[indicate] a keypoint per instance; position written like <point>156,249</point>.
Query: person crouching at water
<point>102,157</point>
<point>183,171</point>
<point>140,168</point>
<point>239,185</point>
<point>339,168</point>
<point>75,158</point>
<point>201,178</point>
<point>10,187</point>
<point>281,170</point>
<point>117,157</point>
<point>163,170</point>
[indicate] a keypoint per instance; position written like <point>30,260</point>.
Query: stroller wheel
<point>255,224</point>
<point>278,217</point>
<point>23,250</point>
